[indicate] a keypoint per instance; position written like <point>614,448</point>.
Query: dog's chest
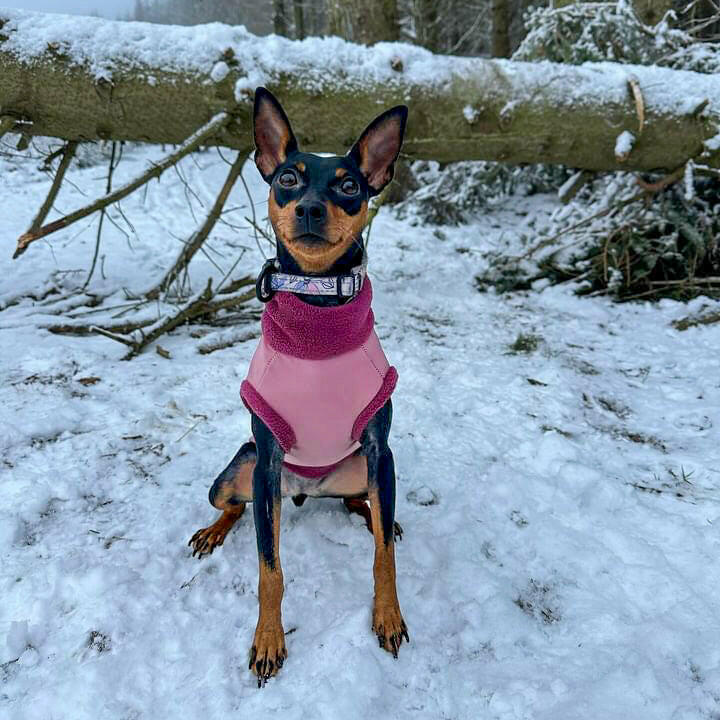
<point>320,400</point>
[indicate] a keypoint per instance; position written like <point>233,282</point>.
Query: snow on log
<point>86,78</point>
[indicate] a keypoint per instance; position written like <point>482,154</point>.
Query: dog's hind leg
<point>361,506</point>
<point>230,492</point>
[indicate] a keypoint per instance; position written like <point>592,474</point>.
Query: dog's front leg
<point>268,649</point>
<point>388,623</point>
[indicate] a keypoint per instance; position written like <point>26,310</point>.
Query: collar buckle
<point>346,285</point>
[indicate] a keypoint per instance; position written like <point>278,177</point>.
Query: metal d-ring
<point>263,291</point>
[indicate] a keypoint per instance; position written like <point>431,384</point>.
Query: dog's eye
<point>349,186</point>
<point>288,179</point>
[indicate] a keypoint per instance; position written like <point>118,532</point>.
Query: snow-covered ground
<point>560,498</point>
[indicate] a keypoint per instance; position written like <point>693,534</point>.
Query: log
<point>88,78</point>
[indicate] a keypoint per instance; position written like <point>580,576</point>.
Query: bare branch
<point>199,306</point>
<point>191,144</point>
<point>68,153</point>
<point>108,188</point>
<point>202,234</point>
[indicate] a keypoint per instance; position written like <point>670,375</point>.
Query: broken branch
<point>68,153</point>
<point>191,144</point>
<point>199,237</point>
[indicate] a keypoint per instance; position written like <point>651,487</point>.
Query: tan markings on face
<point>300,166</point>
<point>340,172</point>
<point>341,231</point>
<point>282,218</point>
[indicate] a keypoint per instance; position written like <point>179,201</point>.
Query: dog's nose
<point>312,210</point>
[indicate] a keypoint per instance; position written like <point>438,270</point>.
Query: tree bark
<point>364,21</point>
<point>279,18</point>
<point>651,12</point>
<point>299,14</point>
<point>500,29</point>
<point>427,22</point>
<point>460,108</point>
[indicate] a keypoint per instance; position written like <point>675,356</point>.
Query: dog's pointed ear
<point>274,139</point>
<point>377,148</point>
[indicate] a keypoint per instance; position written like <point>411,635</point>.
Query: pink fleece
<point>317,378</point>
<point>297,328</point>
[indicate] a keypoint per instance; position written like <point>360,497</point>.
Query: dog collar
<point>270,281</point>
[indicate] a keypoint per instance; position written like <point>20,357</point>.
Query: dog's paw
<point>205,540</point>
<point>389,626</point>
<point>268,653</point>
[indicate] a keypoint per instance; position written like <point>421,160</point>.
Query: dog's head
<point>318,206</point>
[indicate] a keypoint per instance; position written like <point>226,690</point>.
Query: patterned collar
<point>270,281</point>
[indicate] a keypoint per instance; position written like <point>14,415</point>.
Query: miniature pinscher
<point>319,385</point>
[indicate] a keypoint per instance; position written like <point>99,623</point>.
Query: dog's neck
<point>352,258</point>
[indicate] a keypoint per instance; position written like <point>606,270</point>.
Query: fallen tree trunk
<point>87,78</point>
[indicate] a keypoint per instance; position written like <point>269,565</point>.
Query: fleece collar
<point>296,328</point>
<point>270,281</point>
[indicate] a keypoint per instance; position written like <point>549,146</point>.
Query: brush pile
<point>620,234</point>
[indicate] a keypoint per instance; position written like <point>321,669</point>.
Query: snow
<point>689,180</point>
<point>712,144</point>
<point>624,145</point>
<point>470,114</point>
<point>220,71</point>
<point>564,189</point>
<point>560,506</point>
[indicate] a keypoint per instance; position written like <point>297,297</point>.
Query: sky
<point>106,8</point>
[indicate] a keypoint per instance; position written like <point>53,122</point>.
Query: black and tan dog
<point>318,207</point>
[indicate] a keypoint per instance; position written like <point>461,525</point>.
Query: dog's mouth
<point>311,239</point>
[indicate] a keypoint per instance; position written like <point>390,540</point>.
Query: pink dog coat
<point>317,378</point>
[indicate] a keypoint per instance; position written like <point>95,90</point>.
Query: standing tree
<point>139,11</point>
<point>500,28</point>
<point>299,15</point>
<point>280,25</point>
<point>365,22</point>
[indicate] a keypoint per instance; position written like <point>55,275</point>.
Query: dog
<point>319,385</point>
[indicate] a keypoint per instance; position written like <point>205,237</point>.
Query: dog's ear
<point>377,148</point>
<point>274,139</point>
